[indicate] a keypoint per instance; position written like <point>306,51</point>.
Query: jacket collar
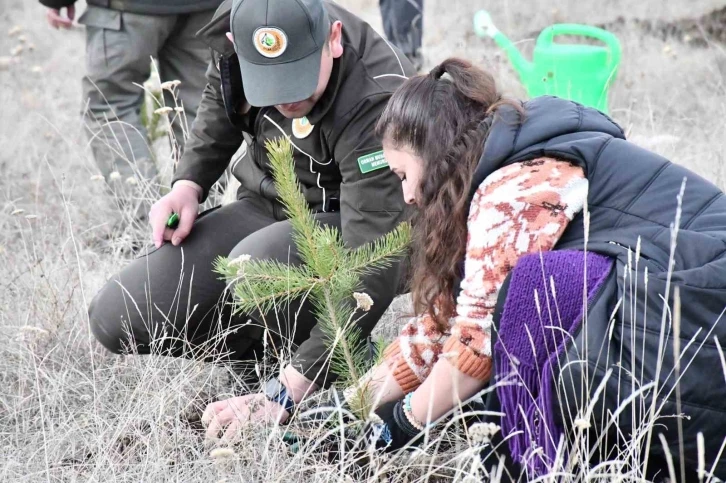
<point>552,127</point>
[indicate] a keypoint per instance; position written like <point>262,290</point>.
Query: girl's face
<point>407,166</point>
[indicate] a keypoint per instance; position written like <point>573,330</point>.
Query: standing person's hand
<point>57,20</point>
<point>182,200</point>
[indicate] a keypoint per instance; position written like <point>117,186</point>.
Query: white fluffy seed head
<point>222,453</point>
<point>363,301</point>
<point>239,261</point>
<point>482,432</point>
<point>582,424</point>
<point>170,85</point>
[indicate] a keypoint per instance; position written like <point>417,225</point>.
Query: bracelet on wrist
<point>403,422</point>
<point>408,412</point>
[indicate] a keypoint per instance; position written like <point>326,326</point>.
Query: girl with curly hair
<point>537,223</point>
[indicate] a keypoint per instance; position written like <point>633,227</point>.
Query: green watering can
<point>582,73</point>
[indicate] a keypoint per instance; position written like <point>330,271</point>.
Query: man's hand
<point>298,386</point>
<point>57,20</point>
<point>231,414</point>
<point>183,200</point>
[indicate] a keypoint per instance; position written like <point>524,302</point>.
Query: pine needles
<point>330,274</point>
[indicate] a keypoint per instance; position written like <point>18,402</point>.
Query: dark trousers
<point>171,302</point>
<point>403,24</point>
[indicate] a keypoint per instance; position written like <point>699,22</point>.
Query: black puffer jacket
<point>151,7</point>
<point>633,196</point>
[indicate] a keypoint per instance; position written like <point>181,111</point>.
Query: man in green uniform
<point>307,70</point>
<point>121,38</point>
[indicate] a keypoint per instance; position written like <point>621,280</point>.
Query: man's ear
<point>335,42</point>
<point>230,37</point>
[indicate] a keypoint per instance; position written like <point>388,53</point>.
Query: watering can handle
<point>547,36</point>
<point>483,25</point>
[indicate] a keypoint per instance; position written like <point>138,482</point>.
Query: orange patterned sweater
<point>519,209</point>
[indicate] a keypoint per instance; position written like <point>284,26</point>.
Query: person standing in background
<point>403,26</point>
<point>121,38</point>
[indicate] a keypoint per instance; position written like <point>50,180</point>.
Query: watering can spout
<point>484,27</point>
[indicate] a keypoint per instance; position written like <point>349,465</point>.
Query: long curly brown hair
<point>444,121</point>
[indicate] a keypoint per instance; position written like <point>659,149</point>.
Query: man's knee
<point>106,323</point>
<point>271,243</point>
<point>275,242</point>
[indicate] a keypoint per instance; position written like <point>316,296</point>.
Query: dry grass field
<point>69,411</point>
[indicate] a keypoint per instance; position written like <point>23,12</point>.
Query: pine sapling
<point>330,277</point>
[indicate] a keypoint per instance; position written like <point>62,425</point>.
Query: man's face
<point>296,110</point>
<point>332,50</point>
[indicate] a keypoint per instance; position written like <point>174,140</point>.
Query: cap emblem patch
<point>270,42</point>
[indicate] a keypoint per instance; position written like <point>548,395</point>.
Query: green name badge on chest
<point>372,162</point>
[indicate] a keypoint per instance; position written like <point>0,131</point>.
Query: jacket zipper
<point>590,302</point>
<point>598,292</point>
<point>255,135</point>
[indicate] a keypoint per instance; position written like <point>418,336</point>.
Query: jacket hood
<point>552,127</point>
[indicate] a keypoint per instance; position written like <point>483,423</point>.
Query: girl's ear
<point>230,37</point>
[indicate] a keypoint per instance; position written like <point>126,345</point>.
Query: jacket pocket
<point>101,43</point>
<point>101,17</point>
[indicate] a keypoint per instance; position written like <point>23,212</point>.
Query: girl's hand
<point>396,431</point>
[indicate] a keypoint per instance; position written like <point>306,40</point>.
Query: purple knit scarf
<point>530,342</point>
